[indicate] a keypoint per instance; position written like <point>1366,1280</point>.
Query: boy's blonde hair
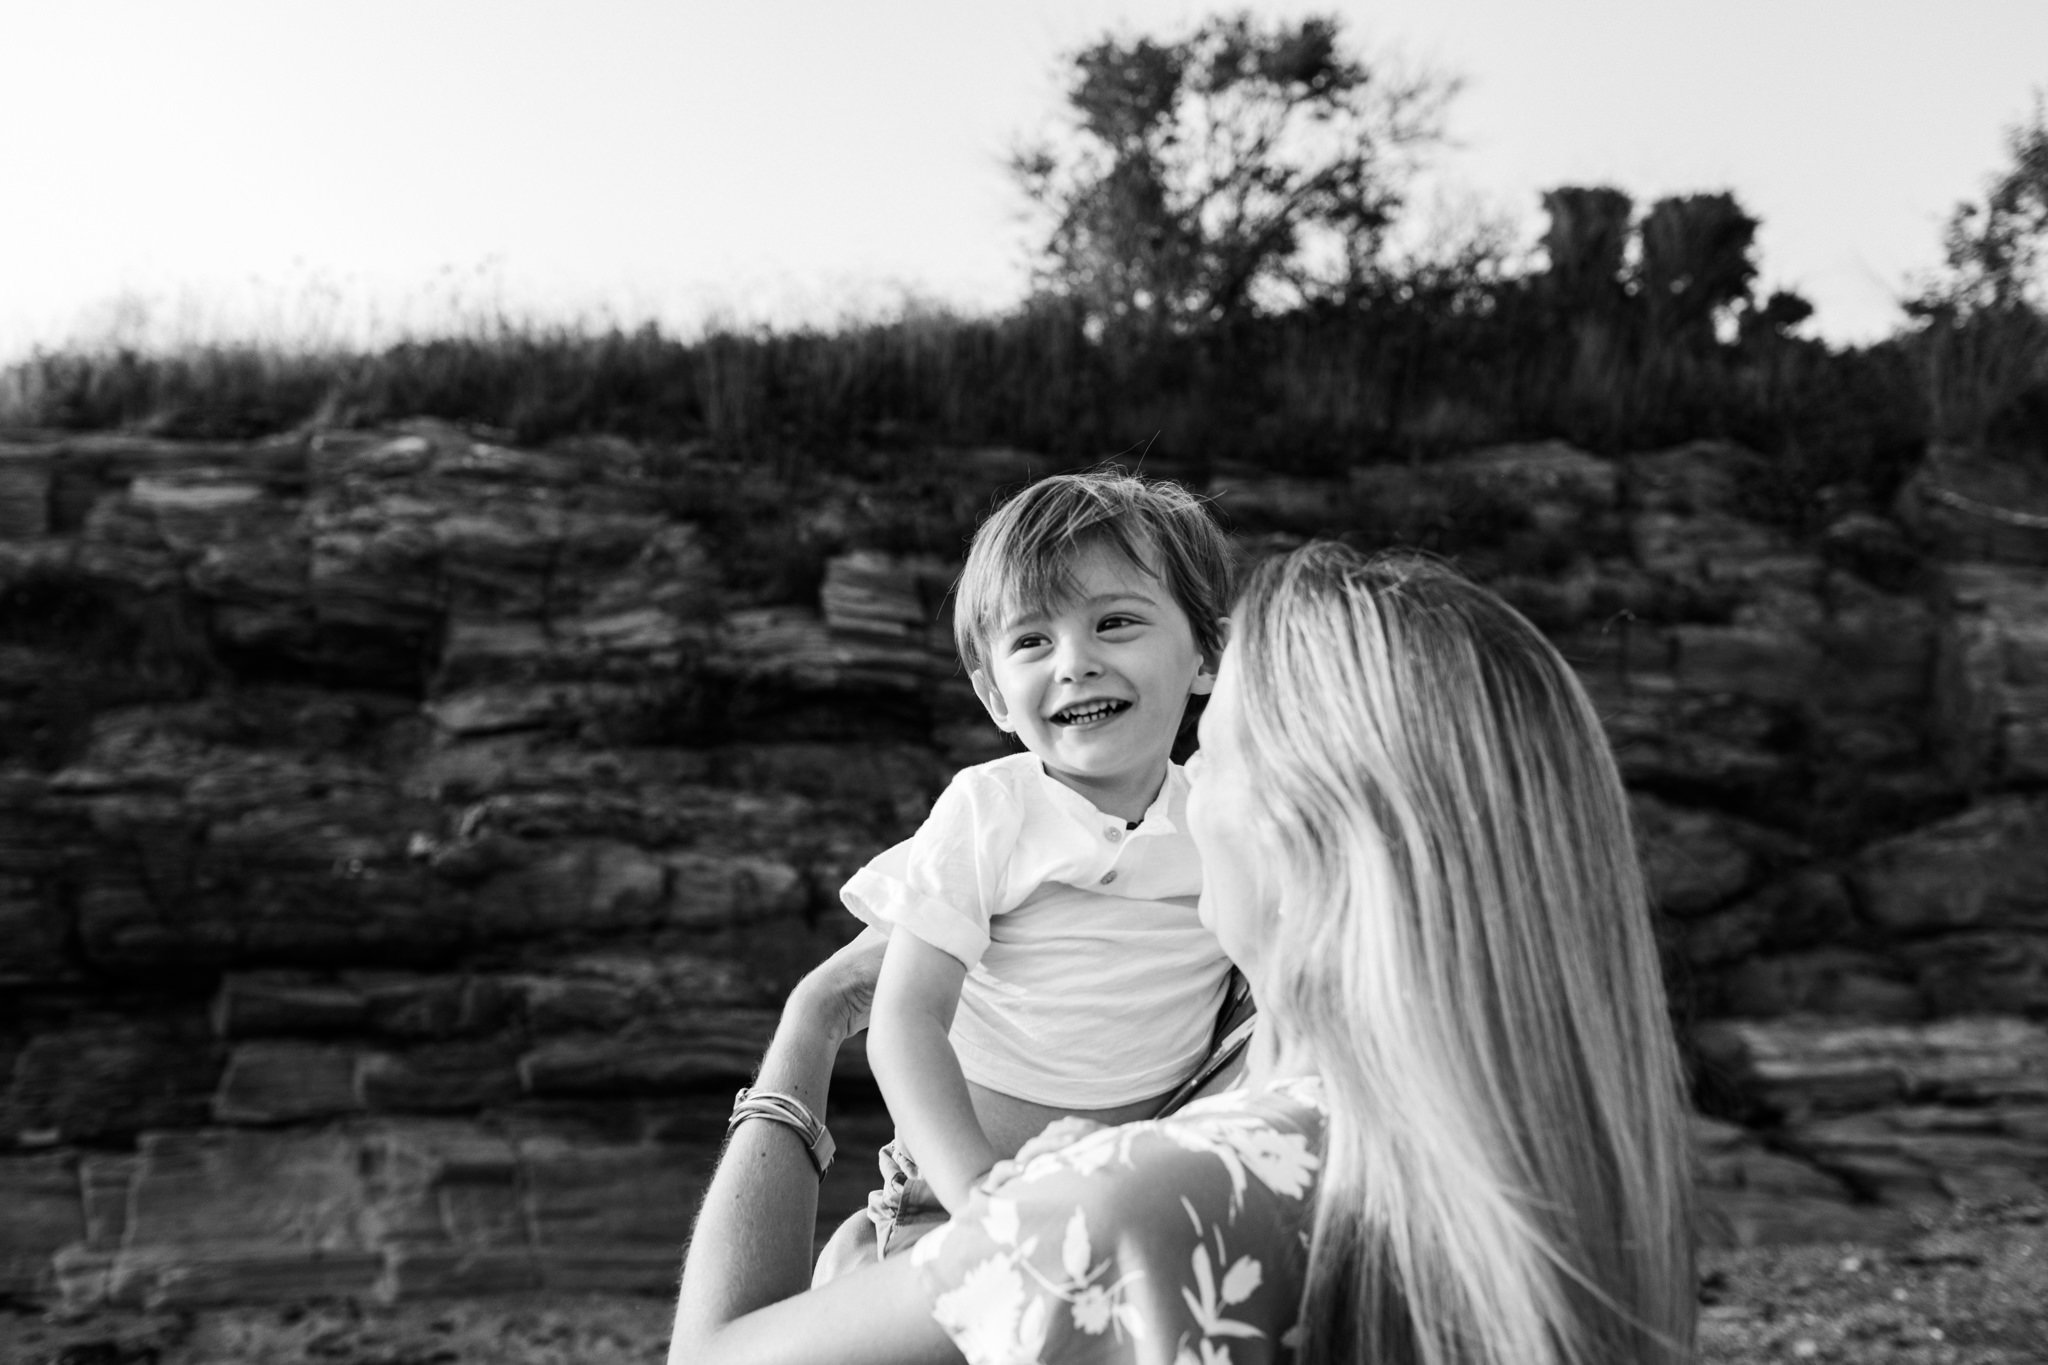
<point>1463,953</point>
<point>1022,559</point>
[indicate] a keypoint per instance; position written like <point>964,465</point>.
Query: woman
<point>1461,1134</point>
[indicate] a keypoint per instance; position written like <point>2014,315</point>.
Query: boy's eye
<point>1117,621</point>
<point>1024,642</point>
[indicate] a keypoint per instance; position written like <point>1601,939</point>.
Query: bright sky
<point>293,170</point>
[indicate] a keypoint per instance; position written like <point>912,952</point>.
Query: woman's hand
<point>836,995</point>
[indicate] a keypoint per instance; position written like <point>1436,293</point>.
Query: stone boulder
<point>1963,972</point>
<point>1531,511</point>
<point>1800,1068</point>
<point>1969,505</point>
<point>1844,984</point>
<point>1808,907</point>
<point>1696,860</point>
<point>220,1216</point>
<point>1991,681</point>
<point>1696,477</point>
<point>1980,869</point>
<point>1928,1156</point>
<point>1876,549</point>
<point>1753,1195</point>
<point>1252,499</point>
<point>1878,651</point>
<point>35,845</point>
<point>24,492</point>
<point>106,1078</point>
<point>892,597</point>
<point>44,1214</point>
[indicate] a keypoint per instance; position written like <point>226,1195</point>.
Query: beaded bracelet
<point>791,1112</point>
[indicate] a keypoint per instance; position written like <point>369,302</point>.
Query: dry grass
<point>1429,368</point>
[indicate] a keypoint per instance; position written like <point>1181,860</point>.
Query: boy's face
<point>1096,685</point>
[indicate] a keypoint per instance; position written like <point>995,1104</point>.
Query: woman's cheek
<point>1256,919</point>
<point>1211,907</point>
<point>1230,907</point>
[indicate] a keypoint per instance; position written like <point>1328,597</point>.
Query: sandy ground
<point>1972,1291</point>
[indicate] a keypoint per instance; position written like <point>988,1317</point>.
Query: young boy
<point>1044,956</point>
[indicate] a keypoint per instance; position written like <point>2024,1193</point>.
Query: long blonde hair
<point>1463,953</point>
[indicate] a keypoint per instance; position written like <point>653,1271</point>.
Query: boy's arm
<point>919,1075</point>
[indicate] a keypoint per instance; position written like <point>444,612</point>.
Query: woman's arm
<point>919,1073</point>
<point>743,1298</point>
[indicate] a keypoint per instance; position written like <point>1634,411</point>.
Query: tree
<point>1773,319</point>
<point>1691,269</point>
<point>1982,339</point>
<point>1997,252</point>
<point>1695,265</point>
<point>1587,243</point>
<point>1239,168</point>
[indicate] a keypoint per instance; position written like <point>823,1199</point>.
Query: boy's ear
<point>992,698</point>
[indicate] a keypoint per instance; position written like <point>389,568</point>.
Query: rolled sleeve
<point>945,882</point>
<point>891,903</point>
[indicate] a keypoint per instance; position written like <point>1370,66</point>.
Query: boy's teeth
<point>1094,710</point>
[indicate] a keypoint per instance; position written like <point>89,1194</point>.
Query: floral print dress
<point>1181,1241</point>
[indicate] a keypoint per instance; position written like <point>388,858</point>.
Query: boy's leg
<point>851,1246</point>
<point>903,1210</point>
<point>864,1236</point>
<point>855,1242</point>
<point>886,1205</point>
<point>907,1207</point>
<point>913,1224</point>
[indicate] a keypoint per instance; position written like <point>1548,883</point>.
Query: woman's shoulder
<point>1275,1131</point>
<point>1294,1102</point>
<point>1281,1123</point>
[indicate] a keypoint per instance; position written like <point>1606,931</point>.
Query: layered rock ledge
<point>406,839</point>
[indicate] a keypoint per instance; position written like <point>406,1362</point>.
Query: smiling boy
<point>1045,957</point>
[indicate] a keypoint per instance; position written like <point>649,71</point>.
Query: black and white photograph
<point>1070,682</point>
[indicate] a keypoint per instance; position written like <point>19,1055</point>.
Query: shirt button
<point>1113,834</point>
<point>1108,877</point>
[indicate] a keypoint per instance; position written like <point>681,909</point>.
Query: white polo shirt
<point>1090,982</point>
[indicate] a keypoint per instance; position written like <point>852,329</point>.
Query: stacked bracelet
<point>791,1112</point>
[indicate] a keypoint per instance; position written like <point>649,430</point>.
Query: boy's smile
<point>1095,685</point>
<point>1089,712</point>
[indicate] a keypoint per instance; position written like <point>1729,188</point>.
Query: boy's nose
<point>1077,659</point>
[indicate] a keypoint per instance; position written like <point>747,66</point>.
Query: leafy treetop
<point>1982,338</point>
<point>1242,167</point>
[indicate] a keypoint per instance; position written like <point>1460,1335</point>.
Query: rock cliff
<point>405,840</point>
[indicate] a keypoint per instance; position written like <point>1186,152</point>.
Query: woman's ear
<point>1205,676</point>
<point>992,698</point>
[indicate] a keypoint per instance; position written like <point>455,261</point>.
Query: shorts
<point>905,1208</point>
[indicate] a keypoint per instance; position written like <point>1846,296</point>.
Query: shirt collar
<point>1159,816</point>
